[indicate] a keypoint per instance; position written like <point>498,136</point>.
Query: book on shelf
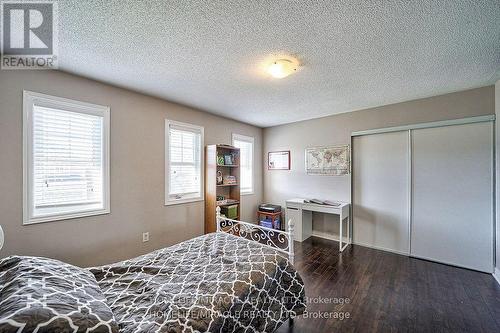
<point>229,180</point>
<point>226,202</point>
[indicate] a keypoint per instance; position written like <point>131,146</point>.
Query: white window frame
<point>251,140</point>
<point>30,99</point>
<point>170,201</point>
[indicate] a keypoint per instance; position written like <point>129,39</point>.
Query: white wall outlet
<point>145,237</point>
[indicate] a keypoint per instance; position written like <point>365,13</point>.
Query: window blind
<point>246,163</point>
<point>184,162</point>
<point>67,161</point>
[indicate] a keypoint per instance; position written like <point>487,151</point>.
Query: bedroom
<point>406,92</point>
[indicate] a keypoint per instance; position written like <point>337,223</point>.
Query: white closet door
<point>381,191</point>
<point>452,195</point>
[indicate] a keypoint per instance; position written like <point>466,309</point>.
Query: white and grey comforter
<point>216,283</point>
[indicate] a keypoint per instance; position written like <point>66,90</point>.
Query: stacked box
<point>231,211</point>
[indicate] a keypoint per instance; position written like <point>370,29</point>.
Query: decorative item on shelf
<point>230,211</point>
<point>329,161</point>
<point>221,200</point>
<point>229,180</point>
<point>219,178</point>
<point>278,160</point>
<point>220,160</point>
<point>228,159</point>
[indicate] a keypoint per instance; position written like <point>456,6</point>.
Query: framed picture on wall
<point>328,161</point>
<point>278,160</point>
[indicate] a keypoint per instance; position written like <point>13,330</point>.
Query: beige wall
<point>333,130</point>
<point>137,174</point>
<point>137,165</point>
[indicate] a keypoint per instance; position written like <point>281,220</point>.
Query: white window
<point>66,158</point>
<point>245,143</point>
<point>183,163</point>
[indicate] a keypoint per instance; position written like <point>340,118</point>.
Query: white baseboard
<point>328,236</point>
<point>381,248</point>
<point>496,274</point>
<point>333,237</point>
<point>451,263</point>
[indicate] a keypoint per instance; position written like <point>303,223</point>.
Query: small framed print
<point>278,160</point>
<point>228,160</point>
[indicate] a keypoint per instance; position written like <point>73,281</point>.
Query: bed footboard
<point>278,240</point>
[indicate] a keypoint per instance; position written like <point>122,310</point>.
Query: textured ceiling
<point>354,54</point>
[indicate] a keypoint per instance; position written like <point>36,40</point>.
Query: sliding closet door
<point>380,191</point>
<point>452,195</point>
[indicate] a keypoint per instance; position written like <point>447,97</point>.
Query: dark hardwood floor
<point>390,293</point>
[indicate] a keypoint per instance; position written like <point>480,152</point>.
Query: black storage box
<point>268,208</point>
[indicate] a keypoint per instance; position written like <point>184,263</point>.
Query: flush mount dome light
<point>282,68</point>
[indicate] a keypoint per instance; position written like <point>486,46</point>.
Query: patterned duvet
<point>216,282</point>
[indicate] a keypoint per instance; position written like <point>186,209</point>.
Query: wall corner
<point>497,181</point>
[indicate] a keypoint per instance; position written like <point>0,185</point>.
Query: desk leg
<point>341,246</point>
<point>340,229</point>
<point>349,229</point>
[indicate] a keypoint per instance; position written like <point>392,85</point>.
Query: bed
<point>238,279</point>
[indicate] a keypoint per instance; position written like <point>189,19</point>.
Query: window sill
<point>183,201</point>
<point>53,218</point>
<point>247,193</point>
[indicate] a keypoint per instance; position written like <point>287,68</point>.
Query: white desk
<point>301,214</point>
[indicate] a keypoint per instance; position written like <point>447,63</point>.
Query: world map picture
<point>330,161</point>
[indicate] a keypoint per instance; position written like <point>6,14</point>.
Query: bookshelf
<point>215,166</point>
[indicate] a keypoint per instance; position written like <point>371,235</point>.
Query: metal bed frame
<point>281,241</point>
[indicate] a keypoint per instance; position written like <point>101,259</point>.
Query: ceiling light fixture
<point>282,68</point>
